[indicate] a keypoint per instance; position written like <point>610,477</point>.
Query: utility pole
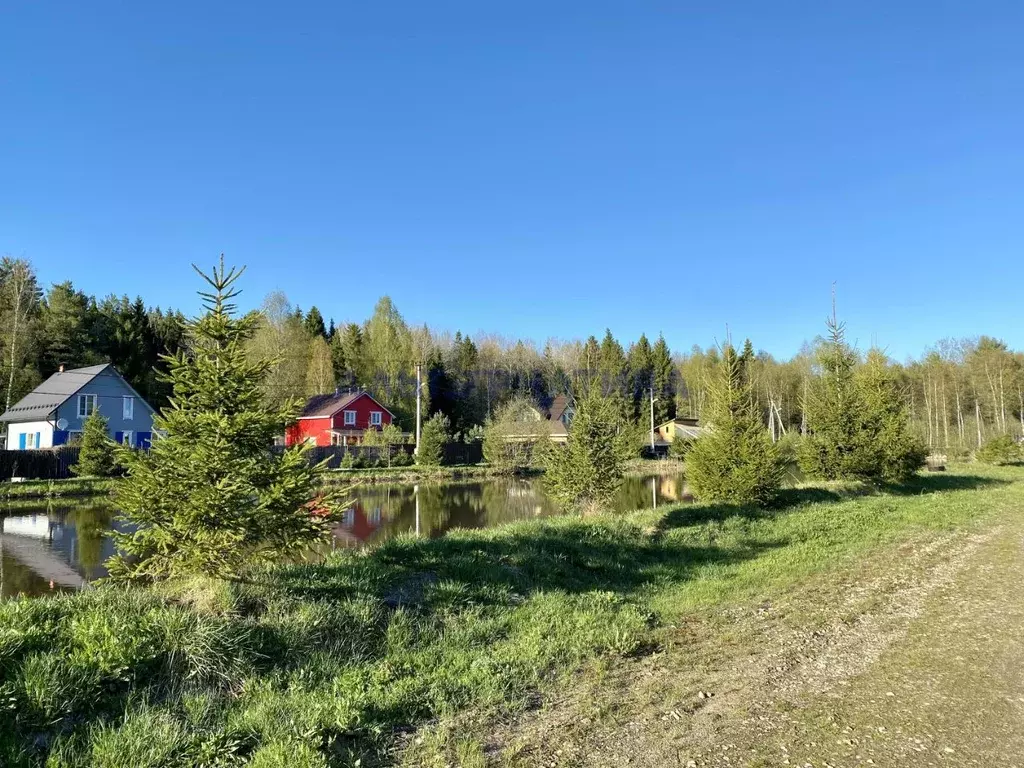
<point>652,421</point>
<point>419,401</point>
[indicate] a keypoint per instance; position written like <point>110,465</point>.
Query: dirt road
<point>912,658</point>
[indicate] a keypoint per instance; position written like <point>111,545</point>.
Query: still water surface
<point>63,545</point>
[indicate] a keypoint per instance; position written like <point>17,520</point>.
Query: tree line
<point>960,393</point>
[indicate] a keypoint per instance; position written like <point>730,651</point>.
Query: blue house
<point>53,413</point>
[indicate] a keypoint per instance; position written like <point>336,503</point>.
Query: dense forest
<point>961,392</point>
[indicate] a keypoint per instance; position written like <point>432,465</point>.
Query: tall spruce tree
<point>734,460</point>
<point>664,381</point>
<point>210,496</point>
<point>314,323</point>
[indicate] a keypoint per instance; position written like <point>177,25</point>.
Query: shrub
<point>384,438</point>
<point>999,450</point>
<point>403,459</point>
<point>734,460</point>
<point>435,433</point>
<point>587,470</point>
<point>96,457</point>
<point>348,461</point>
<point>512,433</point>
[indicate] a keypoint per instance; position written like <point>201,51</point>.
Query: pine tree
<point>96,457</point>
<point>664,382</point>
<point>734,461</point>
<point>435,433</point>
<point>347,355</point>
<point>210,496</point>
<point>640,363</point>
<point>838,446</point>
<point>314,324</point>
<point>858,419</point>
<point>64,323</point>
<point>897,452</point>
<point>586,471</point>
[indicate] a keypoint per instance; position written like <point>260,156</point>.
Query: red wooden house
<point>338,419</point>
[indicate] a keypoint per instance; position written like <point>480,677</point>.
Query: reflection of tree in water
<point>512,499</point>
<point>381,512</point>
<point>641,492</point>
<point>92,531</point>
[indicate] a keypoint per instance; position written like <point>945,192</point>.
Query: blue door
<point>21,441</point>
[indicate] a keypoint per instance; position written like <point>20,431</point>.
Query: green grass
<point>327,664</point>
<point>50,489</point>
<point>473,472</point>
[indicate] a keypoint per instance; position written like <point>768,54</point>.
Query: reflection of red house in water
<point>358,524</point>
<point>338,419</point>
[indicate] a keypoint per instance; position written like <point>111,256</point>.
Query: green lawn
<point>409,651</point>
<point>48,489</point>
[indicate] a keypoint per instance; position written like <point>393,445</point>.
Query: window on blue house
<point>128,408</point>
<point>86,406</point>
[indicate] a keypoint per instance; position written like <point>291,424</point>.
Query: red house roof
<point>323,406</point>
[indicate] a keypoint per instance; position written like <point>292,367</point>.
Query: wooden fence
<point>42,464</point>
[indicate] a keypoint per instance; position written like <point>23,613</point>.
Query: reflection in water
<point>64,546</point>
<point>53,547</point>
<point>384,511</point>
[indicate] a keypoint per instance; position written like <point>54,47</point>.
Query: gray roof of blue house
<point>42,401</point>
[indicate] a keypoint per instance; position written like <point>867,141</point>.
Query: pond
<point>63,545</point>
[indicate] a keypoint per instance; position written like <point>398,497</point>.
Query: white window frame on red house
<point>376,418</point>
<point>349,418</point>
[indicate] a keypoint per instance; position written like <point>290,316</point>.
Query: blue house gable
<point>55,412</point>
<point>129,417</point>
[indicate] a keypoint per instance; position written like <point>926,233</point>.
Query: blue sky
<point>534,169</point>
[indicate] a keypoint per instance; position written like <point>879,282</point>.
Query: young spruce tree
<point>433,436</point>
<point>210,496</point>
<point>837,447</point>
<point>896,451</point>
<point>96,455</point>
<point>586,471</point>
<point>734,461</point>
<point>858,418</point>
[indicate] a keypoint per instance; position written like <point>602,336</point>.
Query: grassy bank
<point>413,474</point>
<point>404,653</point>
<point>52,489</point>
<point>471,472</point>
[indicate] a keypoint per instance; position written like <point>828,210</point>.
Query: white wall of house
<point>42,429</point>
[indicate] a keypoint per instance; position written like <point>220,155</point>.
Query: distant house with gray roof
<point>53,413</point>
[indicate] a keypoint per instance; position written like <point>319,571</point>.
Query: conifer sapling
<point>210,496</point>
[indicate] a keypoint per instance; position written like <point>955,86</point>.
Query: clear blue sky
<point>532,168</point>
